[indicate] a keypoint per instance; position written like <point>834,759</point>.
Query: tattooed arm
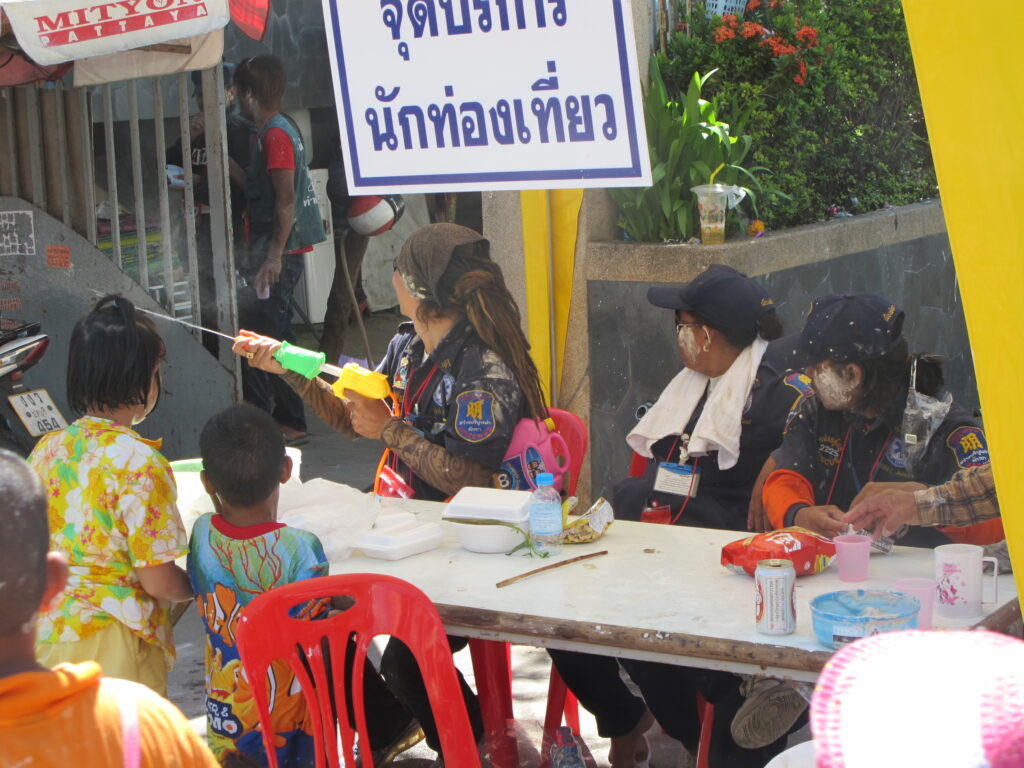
<point>317,394</point>
<point>432,463</point>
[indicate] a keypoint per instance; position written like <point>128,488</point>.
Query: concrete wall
<point>195,385</point>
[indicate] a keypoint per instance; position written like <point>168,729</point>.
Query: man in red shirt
<point>284,222</point>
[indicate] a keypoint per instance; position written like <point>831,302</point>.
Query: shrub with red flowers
<point>771,36</point>
<point>831,93</point>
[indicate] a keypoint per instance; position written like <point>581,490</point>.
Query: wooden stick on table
<point>521,576</point>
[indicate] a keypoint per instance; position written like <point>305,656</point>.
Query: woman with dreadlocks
<point>462,379</point>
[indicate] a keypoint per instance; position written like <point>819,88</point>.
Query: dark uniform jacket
<point>839,452</point>
<point>723,495</point>
<point>462,397</point>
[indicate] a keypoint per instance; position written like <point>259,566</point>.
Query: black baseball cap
<point>229,77</point>
<point>848,328</point>
<point>721,295</point>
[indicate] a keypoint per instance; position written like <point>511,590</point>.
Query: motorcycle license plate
<point>37,412</point>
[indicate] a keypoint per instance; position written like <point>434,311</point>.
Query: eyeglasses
<point>680,326</point>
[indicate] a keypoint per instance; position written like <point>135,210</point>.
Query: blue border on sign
<point>631,171</point>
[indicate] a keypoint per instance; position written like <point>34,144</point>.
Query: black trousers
<point>402,674</point>
<point>273,317</point>
<point>670,692</point>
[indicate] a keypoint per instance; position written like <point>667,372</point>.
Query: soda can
<point>775,582</point>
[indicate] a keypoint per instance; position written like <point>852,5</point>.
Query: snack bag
<point>808,551</point>
<point>590,526</point>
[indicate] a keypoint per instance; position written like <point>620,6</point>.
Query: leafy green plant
<point>688,145</point>
<point>831,94</point>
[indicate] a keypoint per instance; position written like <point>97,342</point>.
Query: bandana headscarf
<point>426,254</point>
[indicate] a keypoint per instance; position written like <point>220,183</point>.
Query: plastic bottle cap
<point>545,478</point>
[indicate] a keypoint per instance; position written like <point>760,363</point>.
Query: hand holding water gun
<point>275,356</point>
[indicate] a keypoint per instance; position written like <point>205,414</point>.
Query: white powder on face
<point>834,391</point>
<point>688,344</point>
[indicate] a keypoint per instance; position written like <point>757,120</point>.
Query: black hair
<point>768,327</point>
<point>112,355</point>
<point>243,454</point>
<point>887,378</point>
<point>24,544</point>
<point>473,284</point>
<point>264,77</point>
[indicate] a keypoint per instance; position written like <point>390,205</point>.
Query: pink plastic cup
<point>923,590</point>
<point>852,552</point>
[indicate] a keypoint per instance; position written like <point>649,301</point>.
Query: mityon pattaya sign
<point>455,95</point>
<point>53,31</point>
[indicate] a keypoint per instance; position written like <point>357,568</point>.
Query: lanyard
<point>408,404</point>
<point>853,469</point>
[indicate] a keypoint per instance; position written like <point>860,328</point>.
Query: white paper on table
<point>335,513</point>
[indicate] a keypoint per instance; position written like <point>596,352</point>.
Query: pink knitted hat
<point>936,699</point>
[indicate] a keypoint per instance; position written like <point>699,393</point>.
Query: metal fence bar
<point>12,142</point>
<point>112,204</point>
<point>35,147</point>
<point>221,235</point>
<point>190,199</point>
<point>165,212</point>
<point>62,158</point>
<point>140,204</point>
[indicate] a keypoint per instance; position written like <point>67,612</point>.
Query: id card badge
<point>677,479</point>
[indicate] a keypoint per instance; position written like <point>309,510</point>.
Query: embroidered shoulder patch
<point>968,446</point>
<point>897,454</point>
<point>474,415</point>
<point>802,384</point>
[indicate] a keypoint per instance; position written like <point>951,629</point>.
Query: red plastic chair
<point>492,665</point>
<point>574,432</point>
<point>383,605</point>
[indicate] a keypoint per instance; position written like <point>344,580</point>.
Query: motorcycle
<point>25,414</point>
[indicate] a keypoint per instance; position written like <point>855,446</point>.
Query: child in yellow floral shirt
<point>112,506</point>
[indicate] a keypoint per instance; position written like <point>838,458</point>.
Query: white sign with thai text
<point>461,95</point>
<point>53,31</point>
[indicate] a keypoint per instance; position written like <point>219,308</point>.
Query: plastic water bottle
<point>565,752</point>
<point>546,515</point>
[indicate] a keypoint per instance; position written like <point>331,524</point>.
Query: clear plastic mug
<point>958,573</point>
<point>713,200</point>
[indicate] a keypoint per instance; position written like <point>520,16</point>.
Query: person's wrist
<point>792,513</point>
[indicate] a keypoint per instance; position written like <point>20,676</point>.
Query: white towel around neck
<point>721,421</point>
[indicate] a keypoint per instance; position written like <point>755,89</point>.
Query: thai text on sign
<point>456,95</point>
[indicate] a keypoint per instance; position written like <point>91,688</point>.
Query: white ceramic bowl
<point>490,539</point>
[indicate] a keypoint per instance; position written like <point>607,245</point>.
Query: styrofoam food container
<point>399,535</point>
<point>489,504</point>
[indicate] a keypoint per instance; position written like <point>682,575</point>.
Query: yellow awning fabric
<point>550,224</point>
<point>973,99</point>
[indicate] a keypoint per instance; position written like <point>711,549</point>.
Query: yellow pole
<point>565,215</point>
<point>973,98</point>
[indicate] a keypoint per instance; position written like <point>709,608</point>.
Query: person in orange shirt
<point>879,416</point>
<point>69,715</point>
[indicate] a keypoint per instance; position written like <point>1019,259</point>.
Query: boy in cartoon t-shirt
<point>234,555</point>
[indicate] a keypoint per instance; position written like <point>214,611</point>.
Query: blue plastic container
<point>850,614</point>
